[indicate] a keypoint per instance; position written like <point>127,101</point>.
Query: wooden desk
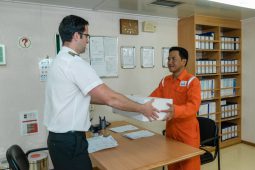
<point>143,153</point>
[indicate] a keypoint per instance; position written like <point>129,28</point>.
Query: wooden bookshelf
<point>210,39</point>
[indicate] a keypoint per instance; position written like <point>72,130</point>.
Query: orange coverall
<point>186,94</point>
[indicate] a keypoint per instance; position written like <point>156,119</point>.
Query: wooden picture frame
<point>129,27</point>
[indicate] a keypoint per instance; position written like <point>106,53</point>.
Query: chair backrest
<point>17,158</point>
<point>208,130</point>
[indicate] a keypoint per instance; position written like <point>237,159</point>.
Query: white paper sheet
<point>99,143</point>
<point>138,134</point>
<point>124,128</point>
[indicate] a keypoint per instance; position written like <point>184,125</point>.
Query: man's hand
<point>169,112</point>
<point>149,111</point>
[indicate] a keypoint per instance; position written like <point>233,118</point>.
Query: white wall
<point>20,88</point>
<point>248,83</point>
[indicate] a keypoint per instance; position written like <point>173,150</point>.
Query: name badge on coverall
<point>183,83</point>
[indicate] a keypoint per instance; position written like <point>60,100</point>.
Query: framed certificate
<point>147,57</point>
<point>165,53</point>
<point>127,55</point>
<point>2,55</point>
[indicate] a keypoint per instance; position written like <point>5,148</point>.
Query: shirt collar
<point>67,49</point>
<point>182,75</point>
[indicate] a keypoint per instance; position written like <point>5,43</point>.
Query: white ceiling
<point>188,8</point>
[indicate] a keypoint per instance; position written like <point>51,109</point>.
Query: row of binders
<point>229,43</point>
<point>205,40</point>
<point>206,66</point>
<point>228,87</point>
<point>228,109</point>
<point>207,88</point>
<point>229,66</point>
<point>208,109</point>
<point>228,130</point>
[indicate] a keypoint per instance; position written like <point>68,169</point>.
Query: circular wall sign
<point>24,42</point>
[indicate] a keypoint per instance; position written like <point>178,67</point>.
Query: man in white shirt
<point>72,85</point>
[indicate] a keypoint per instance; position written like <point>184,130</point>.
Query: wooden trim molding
<point>248,143</point>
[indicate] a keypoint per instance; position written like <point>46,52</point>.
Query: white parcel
<point>159,103</point>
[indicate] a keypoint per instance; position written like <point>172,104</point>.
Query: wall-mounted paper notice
<point>29,123</point>
<point>44,66</point>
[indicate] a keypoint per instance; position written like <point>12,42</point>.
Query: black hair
<point>69,25</point>
<point>182,52</point>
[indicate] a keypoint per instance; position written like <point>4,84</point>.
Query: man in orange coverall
<point>181,121</point>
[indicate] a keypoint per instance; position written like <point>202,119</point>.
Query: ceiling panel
<point>144,7</point>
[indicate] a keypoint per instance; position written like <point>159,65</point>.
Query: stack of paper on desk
<point>99,143</point>
<point>159,103</point>
<point>139,134</point>
<point>123,128</point>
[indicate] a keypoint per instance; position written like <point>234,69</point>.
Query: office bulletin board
<point>104,55</point>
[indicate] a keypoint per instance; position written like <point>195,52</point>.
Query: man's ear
<point>76,36</point>
<point>184,62</point>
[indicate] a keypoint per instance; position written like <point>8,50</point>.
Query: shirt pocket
<point>181,95</point>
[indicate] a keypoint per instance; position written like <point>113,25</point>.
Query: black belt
<point>70,132</point>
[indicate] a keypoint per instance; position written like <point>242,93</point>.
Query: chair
<point>209,137</point>
<point>17,159</point>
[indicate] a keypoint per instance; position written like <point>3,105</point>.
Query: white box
<point>159,103</point>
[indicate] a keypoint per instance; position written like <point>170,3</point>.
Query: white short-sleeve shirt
<point>70,78</point>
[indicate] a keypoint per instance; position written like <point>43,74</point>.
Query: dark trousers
<point>69,151</point>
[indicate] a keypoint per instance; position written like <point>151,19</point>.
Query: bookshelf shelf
<point>209,99</point>
<point>230,118</point>
<point>226,97</point>
<point>231,74</point>
<point>214,46</point>
<point>207,50</point>
<point>206,75</point>
<point>230,88</point>
<point>211,90</point>
<point>231,51</point>
<point>230,142</point>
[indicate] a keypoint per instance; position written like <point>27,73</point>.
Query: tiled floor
<point>236,157</point>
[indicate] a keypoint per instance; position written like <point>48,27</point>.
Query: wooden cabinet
<point>214,46</point>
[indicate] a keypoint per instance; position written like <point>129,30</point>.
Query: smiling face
<point>175,63</point>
